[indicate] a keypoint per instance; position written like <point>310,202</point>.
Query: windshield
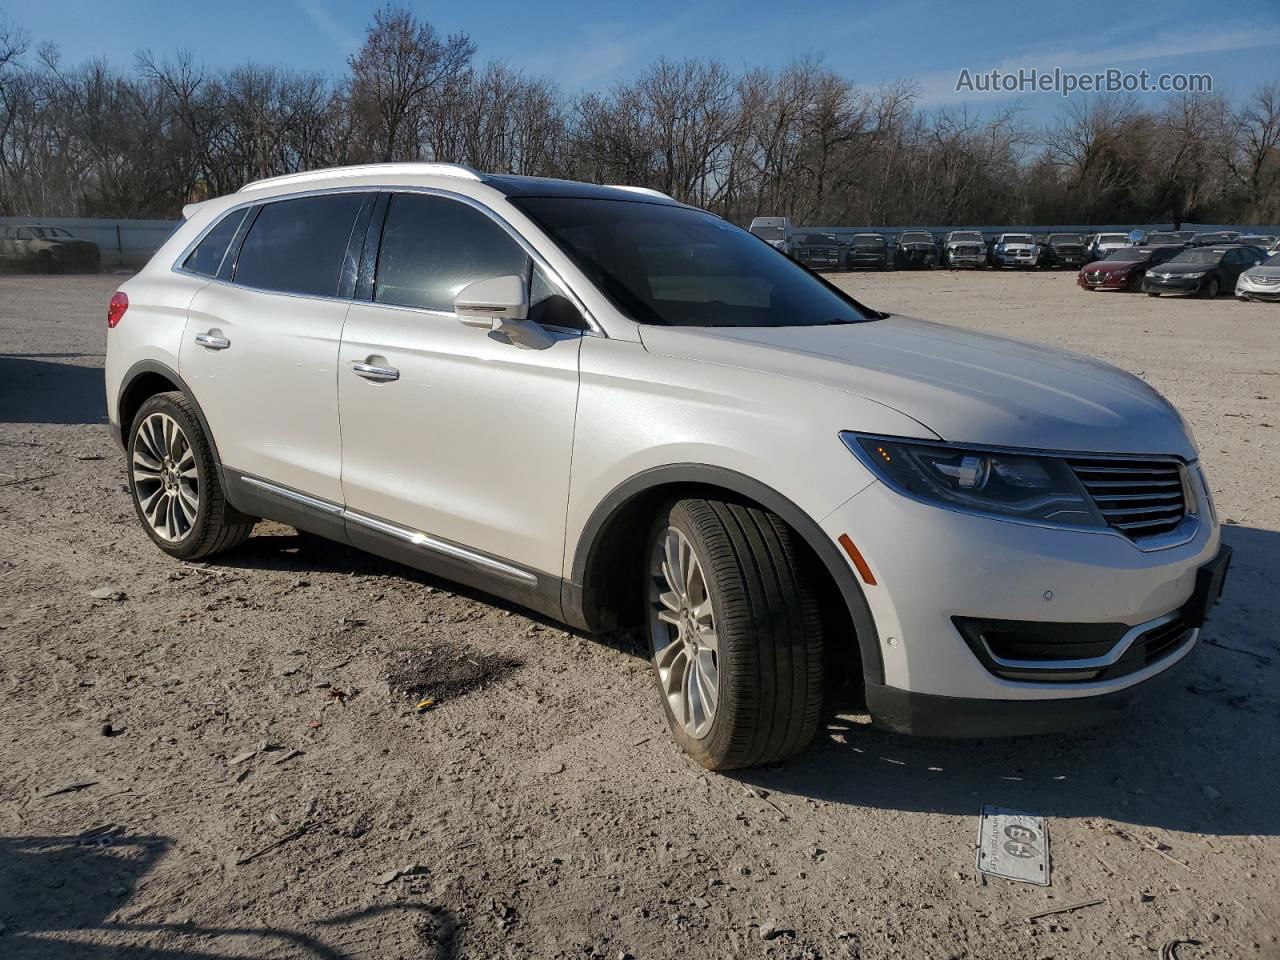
<point>915,238</point>
<point>1165,238</point>
<point>1112,238</point>
<point>1018,238</point>
<point>1128,253</point>
<point>1200,255</point>
<point>677,266</point>
<point>967,237</point>
<point>768,232</point>
<point>1065,238</point>
<point>820,239</point>
<point>48,233</point>
<point>1213,237</point>
<point>868,241</point>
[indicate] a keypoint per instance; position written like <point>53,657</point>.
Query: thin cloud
<point>602,52</point>
<point>345,39</point>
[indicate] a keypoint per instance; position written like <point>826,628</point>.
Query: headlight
<point>1028,487</point>
<point>1193,276</point>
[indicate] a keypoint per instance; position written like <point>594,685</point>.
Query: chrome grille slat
<point>1139,498</point>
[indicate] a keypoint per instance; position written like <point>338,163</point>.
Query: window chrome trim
<point>594,327</point>
<point>414,537</point>
<point>1184,533</point>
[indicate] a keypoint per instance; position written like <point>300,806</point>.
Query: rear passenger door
<point>469,444</point>
<point>260,350</point>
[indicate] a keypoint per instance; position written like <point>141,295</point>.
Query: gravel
<point>320,652</point>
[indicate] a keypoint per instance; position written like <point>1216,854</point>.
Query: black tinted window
<point>549,306</point>
<point>297,246</point>
<point>207,256</point>
<point>432,247</point>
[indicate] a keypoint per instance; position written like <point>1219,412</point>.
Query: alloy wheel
<point>165,480</point>
<point>686,648</point>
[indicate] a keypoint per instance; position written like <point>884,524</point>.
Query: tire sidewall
<point>189,545</point>
<point>729,659</point>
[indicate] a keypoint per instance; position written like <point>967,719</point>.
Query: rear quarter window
<point>206,258</point>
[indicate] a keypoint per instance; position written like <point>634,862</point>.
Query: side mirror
<point>479,304</point>
<point>501,305</point>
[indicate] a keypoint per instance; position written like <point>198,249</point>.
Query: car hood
<point>965,386</point>
<point>1111,266</point>
<point>1263,272</point>
<point>1177,268</point>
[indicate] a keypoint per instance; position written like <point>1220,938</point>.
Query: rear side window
<point>297,246</point>
<point>432,247</point>
<point>207,256</point>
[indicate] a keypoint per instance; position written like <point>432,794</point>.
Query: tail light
<point>119,304</point>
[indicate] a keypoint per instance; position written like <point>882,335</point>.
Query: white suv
<point>613,408</point>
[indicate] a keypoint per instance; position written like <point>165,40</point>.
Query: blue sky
<point>589,45</point>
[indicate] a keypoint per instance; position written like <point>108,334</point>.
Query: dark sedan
<point>1215,239</point>
<point>820,251</point>
<point>1062,251</point>
<point>867,250</point>
<point>1206,270</point>
<point>1123,269</point>
<point>1177,237</point>
<point>917,248</point>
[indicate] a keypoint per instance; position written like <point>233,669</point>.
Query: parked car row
<point>1170,269</point>
<point>971,248</point>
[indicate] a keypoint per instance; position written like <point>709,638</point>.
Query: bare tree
<point>403,65</point>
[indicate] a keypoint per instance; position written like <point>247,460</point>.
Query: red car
<point>1122,269</point>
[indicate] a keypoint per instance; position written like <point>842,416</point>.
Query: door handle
<point>211,342</point>
<point>376,374</point>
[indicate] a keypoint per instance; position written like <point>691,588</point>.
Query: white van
<point>776,230</point>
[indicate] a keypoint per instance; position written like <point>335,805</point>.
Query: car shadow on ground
<point>43,388</point>
<point>298,552</point>
<point>1198,754</point>
<point>69,898</point>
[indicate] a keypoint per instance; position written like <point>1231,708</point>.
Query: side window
<point>207,256</point>
<point>298,246</point>
<point>432,247</point>
<point>549,306</point>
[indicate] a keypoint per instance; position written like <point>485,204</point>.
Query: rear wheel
<point>176,492</point>
<point>734,632</point>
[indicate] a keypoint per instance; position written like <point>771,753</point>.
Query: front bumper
<point>1015,260</point>
<point>1097,281</point>
<point>1176,285</point>
<point>933,565</point>
<point>1256,289</point>
<point>965,259</point>
<point>863,260</point>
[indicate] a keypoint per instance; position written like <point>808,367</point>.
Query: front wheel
<point>1212,291</point>
<point>1150,294</point>
<point>174,480</point>
<point>734,633</point>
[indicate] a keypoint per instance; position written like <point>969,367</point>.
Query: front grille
<point>1140,498</point>
<point>1095,276</point>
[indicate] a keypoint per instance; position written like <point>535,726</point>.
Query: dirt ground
<point>225,759</point>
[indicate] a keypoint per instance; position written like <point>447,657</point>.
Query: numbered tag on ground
<point>1013,845</point>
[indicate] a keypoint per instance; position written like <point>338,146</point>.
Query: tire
<point>1213,289</point>
<point>1150,294</point>
<point>763,617</point>
<point>171,464</point>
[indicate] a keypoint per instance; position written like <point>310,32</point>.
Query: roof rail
<point>368,170</point>
<point>647,191</point>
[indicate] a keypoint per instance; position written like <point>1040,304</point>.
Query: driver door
<point>459,444</point>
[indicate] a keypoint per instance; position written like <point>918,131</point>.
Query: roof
<point>511,186</point>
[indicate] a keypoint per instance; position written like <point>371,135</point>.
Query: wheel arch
<point>591,591</point>
<point>144,380</point>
